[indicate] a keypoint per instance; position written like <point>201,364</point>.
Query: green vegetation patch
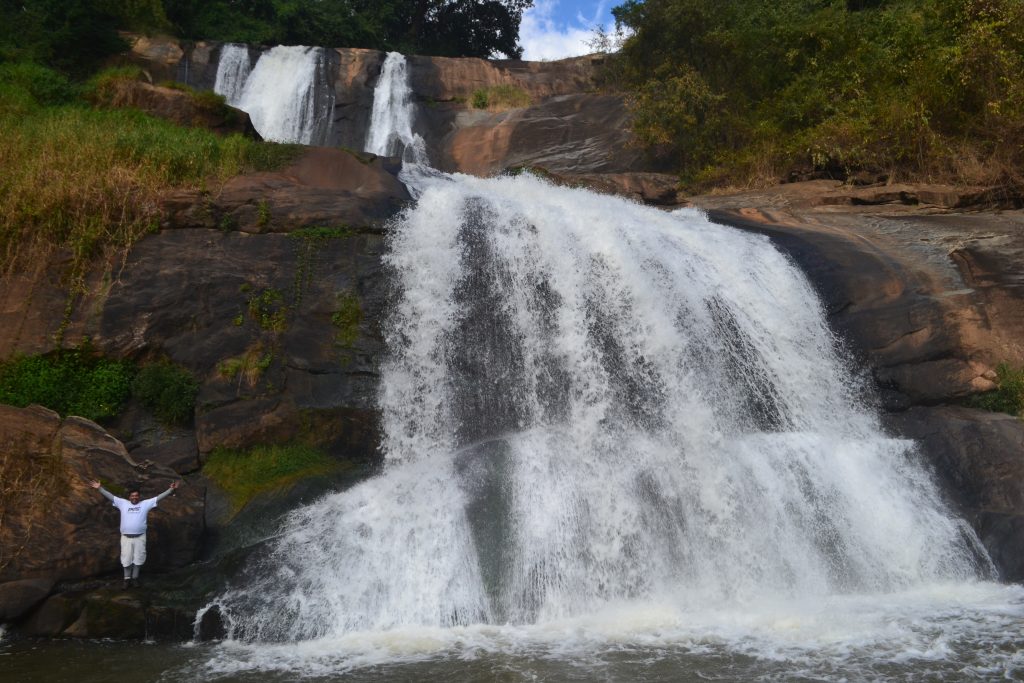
<point>1009,394</point>
<point>347,319</point>
<point>89,180</point>
<point>746,92</point>
<point>168,391</point>
<point>71,382</point>
<point>246,474</point>
<point>500,97</point>
<point>268,310</point>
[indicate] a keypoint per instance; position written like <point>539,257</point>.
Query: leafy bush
<point>168,391</point>
<point>833,87</point>
<point>246,474</point>
<point>500,97</point>
<point>71,382</point>
<point>45,86</point>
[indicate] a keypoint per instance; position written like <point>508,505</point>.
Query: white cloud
<point>543,38</point>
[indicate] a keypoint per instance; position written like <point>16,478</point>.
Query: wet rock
<point>211,626</point>
<point>18,597</point>
<point>107,612</point>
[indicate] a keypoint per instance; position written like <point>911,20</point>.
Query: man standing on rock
<point>133,527</point>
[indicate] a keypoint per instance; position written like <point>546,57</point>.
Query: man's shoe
<point>126,584</point>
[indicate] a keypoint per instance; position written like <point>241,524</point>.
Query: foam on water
<point>605,425</point>
<point>965,631</point>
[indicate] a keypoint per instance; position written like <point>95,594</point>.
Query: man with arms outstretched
<point>133,527</point>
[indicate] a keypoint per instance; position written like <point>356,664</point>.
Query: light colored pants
<point>133,550</point>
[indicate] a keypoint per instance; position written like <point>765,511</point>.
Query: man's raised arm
<point>106,494</point>
<point>169,491</point>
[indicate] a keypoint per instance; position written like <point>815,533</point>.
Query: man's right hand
<point>95,484</point>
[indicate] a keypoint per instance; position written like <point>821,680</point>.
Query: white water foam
<point>393,113</point>
<point>287,95</point>
<point>607,424</point>
<point>233,71</point>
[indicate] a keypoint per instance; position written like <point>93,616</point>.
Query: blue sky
<point>553,29</point>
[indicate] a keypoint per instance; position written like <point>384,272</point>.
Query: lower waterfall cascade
<point>609,428</point>
<point>593,407</point>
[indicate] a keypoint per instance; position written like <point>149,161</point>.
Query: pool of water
<point>940,632</point>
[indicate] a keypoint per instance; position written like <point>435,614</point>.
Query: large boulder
<point>55,526</point>
<point>183,107</point>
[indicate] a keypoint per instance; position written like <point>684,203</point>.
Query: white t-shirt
<point>133,517</point>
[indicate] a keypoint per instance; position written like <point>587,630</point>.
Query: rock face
<point>56,527</point>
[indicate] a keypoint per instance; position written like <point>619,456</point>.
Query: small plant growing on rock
<point>500,98</point>
<point>262,214</point>
<point>1008,396</point>
<point>268,310</point>
<point>168,390</point>
<point>248,367</point>
<point>346,320</point>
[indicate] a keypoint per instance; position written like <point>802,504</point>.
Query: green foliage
<point>347,319</point>
<point>262,214</point>
<point>72,36</point>
<point>500,97</point>
<point>470,28</point>
<point>1009,394</point>
<point>44,86</point>
<point>268,310</point>
<point>168,391</point>
<point>246,474</point>
<point>71,382</point>
<point>90,179</point>
<point>923,88</point>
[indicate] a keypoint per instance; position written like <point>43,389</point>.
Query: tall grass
<point>87,180</point>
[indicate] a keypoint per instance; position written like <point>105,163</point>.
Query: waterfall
<point>288,95</point>
<point>391,119</point>
<point>233,70</point>
<point>594,407</point>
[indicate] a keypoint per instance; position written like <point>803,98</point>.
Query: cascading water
<point>233,71</point>
<point>287,95</point>
<point>390,132</point>
<point>608,428</point>
<point>601,418</point>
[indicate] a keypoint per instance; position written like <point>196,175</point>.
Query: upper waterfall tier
<point>287,95</point>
